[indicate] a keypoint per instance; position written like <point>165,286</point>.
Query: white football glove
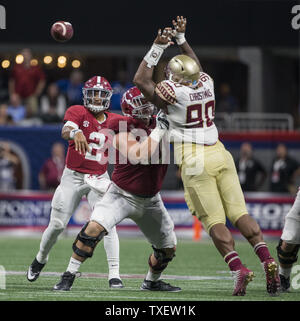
<point>162,121</point>
<point>162,126</point>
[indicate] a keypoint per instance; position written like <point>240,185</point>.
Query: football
<point>62,31</point>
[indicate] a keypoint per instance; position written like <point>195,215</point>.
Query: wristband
<point>157,134</point>
<point>73,132</point>
<point>180,38</point>
<point>153,55</point>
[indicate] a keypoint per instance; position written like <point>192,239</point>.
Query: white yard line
<point>131,276</point>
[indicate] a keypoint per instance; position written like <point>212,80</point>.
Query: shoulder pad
<point>165,90</point>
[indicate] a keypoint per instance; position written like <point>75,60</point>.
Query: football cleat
<point>66,282</point>
<point>284,283</point>
<point>158,286</point>
<point>34,270</point>
<point>241,279</point>
<point>270,268</point>
<point>115,283</point>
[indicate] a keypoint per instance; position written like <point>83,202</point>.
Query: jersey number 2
<point>99,140</point>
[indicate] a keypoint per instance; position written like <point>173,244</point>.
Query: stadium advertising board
<point>32,210</point>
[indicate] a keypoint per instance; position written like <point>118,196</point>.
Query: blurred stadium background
<point>248,47</point>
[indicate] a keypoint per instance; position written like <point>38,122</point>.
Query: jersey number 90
<point>200,115</point>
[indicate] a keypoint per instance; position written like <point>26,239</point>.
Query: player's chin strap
<point>153,55</point>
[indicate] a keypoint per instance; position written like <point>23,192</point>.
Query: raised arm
<point>179,34</point>
<point>143,77</point>
<point>142,152</point>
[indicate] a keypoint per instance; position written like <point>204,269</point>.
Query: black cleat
<point>284,283</point>
<point>159,286</point>
<point>65,283</point>
<point>34,270</point>
<point>115,283</point>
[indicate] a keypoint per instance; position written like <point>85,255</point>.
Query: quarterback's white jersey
<point>190,111</point>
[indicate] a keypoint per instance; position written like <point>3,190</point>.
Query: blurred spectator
<point>226,102</point>
<point>8,161</point>
<point>251,173</point>
<point>53,105</point>
<point>72,87</point>
<point>15,109</point>
<point>284,171</point>
<point>28,82</point>
<point>119,87</point>
<point>52,169</point>
<point>5,119</point>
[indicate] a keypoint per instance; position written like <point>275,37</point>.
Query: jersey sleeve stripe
<point>71,124</point>
<point>166,92</point>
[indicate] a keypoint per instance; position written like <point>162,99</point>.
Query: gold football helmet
<point>184,70</point>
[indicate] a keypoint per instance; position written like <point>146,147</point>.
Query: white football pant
<point>66,199</point>
<point>149,214</point>
<point>291,229</point>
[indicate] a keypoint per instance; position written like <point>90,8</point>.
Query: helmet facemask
<point>95,99</point>
<point>141,108</point>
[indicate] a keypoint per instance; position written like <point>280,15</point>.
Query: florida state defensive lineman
<point>133,193</point>
<point>83,164</point>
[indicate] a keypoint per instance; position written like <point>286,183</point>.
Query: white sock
<point>111,246</point>
<point>73,266</point>
<point>153,276</point>
<point>286,272</point>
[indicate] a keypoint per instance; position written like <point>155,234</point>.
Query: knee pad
<point>162,260</point>
<point>87,240</point>
<point>57,224</point>
<point>287,257</point>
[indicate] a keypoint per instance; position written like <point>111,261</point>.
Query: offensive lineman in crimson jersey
<point>211,185</point>
<point>84,173</point>
<point>133,193</point>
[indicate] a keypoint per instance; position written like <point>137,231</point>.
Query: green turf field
<point>197,268</point>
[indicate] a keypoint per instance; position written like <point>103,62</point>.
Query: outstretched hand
<point>164,38</point>
<point>179,24</point>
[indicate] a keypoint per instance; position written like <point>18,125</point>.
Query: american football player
<point>289,244</point>
<point>82,129</point>
<point>211,184</point>
<point>133,193</point>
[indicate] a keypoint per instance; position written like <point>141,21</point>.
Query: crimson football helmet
<point>135,105</point>
<point>97,93</point>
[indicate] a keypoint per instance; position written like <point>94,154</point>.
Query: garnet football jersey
<point>139,179</point>
<point>191,111</point>
<point>95,161</point>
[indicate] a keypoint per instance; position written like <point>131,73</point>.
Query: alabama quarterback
<point>211,184</point>
<point>82,129</point>
<point>133,193</point>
